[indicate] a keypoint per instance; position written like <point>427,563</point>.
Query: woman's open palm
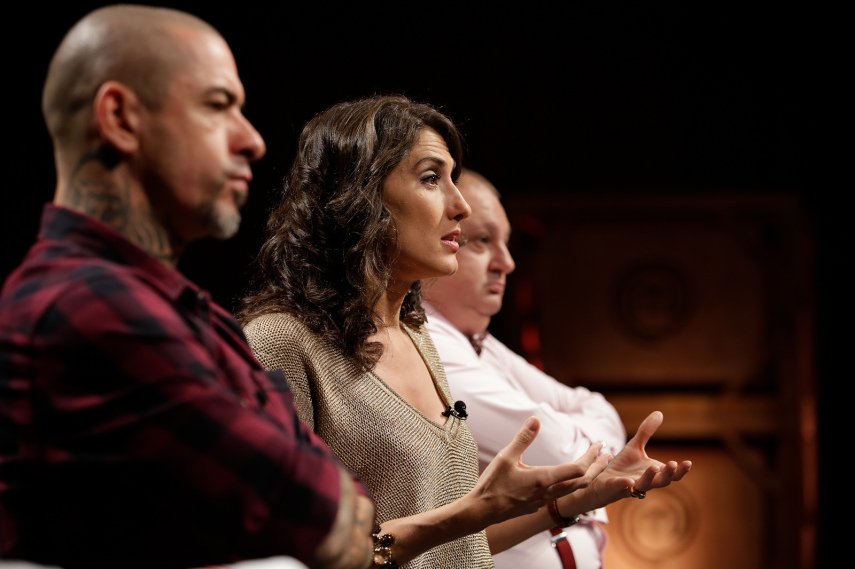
<point>630,469</point>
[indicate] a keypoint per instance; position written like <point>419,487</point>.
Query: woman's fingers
<point>590,463</point>
<point>682,469</point>
<point>523,439</point>
<point>590,456</point>
<point>647,480</point>
<point>646,430</point>
<point>599,464</point>
<point>670,472</point>
<point>578,474</point>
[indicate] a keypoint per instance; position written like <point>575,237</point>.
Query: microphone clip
<point>459,411</point>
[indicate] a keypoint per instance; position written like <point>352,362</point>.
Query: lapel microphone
<point>459,411</point>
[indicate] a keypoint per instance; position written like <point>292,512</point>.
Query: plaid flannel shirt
<point>136,427</point>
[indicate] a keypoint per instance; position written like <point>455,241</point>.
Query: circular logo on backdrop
<point>653,299</point>
<point>664,527</point>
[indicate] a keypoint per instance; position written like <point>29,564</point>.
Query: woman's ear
<point>117,113</point>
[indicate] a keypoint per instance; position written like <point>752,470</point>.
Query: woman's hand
<point>508,488</point>
<point>631,468</point>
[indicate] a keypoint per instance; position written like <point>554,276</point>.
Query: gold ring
<point>633,493</point>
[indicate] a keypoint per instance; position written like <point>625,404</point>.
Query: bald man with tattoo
<point>136,427</point>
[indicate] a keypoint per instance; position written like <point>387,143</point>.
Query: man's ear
<point>118,116</point>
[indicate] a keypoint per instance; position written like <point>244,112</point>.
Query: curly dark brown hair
<point>330,241</point>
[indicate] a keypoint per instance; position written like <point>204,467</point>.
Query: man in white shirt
<point>501,389</point>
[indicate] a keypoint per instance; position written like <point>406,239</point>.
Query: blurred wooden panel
<point>674,298</point>
<point>700,308</point>
<point>690,416</point>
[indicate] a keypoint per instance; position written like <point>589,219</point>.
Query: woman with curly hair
<point>368,210</point>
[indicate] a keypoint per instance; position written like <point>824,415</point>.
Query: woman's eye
<point>431,179</point>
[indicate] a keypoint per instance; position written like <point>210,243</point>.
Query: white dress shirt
<point>501,390</point>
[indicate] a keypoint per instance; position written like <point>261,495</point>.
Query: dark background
<point>682,98</point>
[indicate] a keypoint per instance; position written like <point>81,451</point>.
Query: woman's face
<point>427,208</point>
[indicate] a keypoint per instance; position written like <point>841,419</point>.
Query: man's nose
<point>249,141</point>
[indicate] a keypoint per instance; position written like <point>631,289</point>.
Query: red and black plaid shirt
<point>136,427</point>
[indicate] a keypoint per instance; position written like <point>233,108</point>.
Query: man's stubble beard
<point>223,219</point>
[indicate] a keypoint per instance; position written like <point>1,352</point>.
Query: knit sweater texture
<point>410,463</point>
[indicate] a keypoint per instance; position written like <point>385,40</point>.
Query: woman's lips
<point>451,240</point>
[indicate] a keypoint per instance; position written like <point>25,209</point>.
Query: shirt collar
<point>89,235</point>
<point>477,341</point>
